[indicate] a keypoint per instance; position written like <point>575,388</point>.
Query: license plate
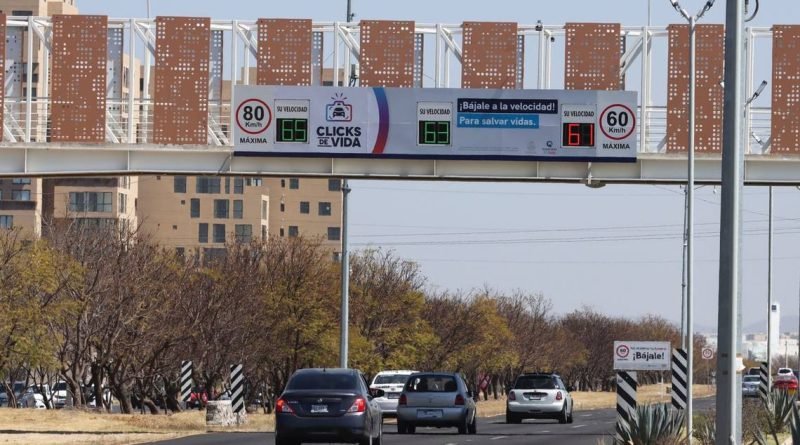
<point>429,414</point>
<point>316,409</point>
<point>393,395</point>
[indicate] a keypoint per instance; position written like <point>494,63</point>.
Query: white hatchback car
<point>391,382</point>
<point>785,371</point>
<point>539,396</point>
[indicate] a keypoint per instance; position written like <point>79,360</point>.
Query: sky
<point>616,249</point>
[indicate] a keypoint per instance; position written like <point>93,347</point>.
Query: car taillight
<point>459,400</point>
<point>403,400</point>
<point>282,407</point>
<point>559,396</point>
<point>359,406</point>
<point>512,396</point>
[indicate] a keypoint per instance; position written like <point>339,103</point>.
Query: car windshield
<point>386,379</point>
<point>751,378</point>
<point>323,380</point>
<point>535,382</point>
<point>60,386</point>
<point>431,383</point>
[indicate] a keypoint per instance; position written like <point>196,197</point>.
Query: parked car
<point>539,396</point>
<point>18,387</point>
<point>60,393</point>
<point>750,385</point>
<point>785,383</point>
<point>328,405</point>
<point>34,398</point>
<point>391,382</point>
<point>439,399</point>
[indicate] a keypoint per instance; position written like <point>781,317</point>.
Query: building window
<point>21,13</point>
<point>20,195</point>
<point>294,231</point>
<point>305,208</point>
<point>283,207</point>
<point>221,208</point>
<point>1,195</point>
<point>90,201</point>
<point>282,233</point>
<point>219,233</point>
<point>263,209</point>
<point>194,210</point>
<point>227,186</point>
<point>6,221</point>
<point>334,234</point>
<point>206,184</point>
<point>283,183</point>
<point>125,182</point>
<point>123,203</point>
<point>324,209</point>
<point>257,182</point>
<point>179,185</point>
<point>334,185</point>
<point>21,181</point>
<point>263,231</point>
<point>244,233</point>
<point>203,233</point>
<point>294,183</point>
<point>238,186</point>
<point>238,209</point>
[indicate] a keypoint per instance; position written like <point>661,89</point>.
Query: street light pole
<point>688,339</point>
<point>345,273</point>
<point>770,327</point>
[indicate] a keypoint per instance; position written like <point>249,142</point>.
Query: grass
<point>28,426</point>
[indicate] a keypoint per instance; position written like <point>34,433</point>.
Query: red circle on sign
<point>708,353</point>
<point>266,107</point>
<point>623,351</point>
<point>633,122</point>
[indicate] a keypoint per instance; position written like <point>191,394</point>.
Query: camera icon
<point>339,111</point>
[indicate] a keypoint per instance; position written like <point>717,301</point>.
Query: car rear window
<point>431,383</point>
<point>535,382</point>
<point>387,379</point>
<point>323,380</point>
<point>751,378</point>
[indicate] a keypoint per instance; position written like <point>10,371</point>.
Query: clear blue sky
<point>617,249</point>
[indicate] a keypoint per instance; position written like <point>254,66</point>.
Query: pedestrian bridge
<point>108,96</point>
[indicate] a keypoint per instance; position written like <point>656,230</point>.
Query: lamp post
<point>345,273</point>
<point>688,339</point>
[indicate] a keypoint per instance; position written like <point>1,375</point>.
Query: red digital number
<point>573,134</point>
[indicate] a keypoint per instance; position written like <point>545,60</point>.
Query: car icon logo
<point>339,110</point>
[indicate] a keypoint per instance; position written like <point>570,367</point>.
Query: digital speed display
<point>577,134</point>
<point>434,132</point>
<point>292,130</point>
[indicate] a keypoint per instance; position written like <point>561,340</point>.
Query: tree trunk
<point>148,402</point>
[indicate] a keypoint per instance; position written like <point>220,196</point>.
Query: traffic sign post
<point>707,353</point>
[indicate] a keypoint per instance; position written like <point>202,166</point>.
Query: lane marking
<point>586,415</point>
<point>498,437</point>
<point>578,426</point>
<point>544,431</point>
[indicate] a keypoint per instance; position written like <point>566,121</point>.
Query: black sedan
<point>328,405</point>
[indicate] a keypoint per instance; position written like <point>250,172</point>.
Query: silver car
<point>436,399</point>
<point>750,384</point>
<point>539,396</point>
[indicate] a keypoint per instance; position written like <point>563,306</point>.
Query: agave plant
<point>794,423</point>
<point>654,424</point>
<point>779,406</point>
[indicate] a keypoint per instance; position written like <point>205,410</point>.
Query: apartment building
<point>202,214</point>
<point>21,205</point>
<point>92,201</point>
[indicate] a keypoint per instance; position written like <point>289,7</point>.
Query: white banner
<point>438,123</point>
<point>642,355</point>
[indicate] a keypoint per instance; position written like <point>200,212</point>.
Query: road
<point>590,428</point>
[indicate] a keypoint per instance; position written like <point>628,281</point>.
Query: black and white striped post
<point>763,384</point>
<point>237,388</point>
<point>186,380</point>
<point>679,386</point>
<point>626,400</point>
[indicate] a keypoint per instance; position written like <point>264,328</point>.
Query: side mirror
<point>377,392</point>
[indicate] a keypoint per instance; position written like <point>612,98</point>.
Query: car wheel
<point>379,439</point>
<point>464,425</point>
<point>401,427</point>
<point>283,441</point>
<point>562,417</point>
<point>411,429</point>
<point>512,418</point>
<point>473,427</point>
<point>571,417</point>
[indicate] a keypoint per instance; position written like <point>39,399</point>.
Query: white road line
<point>498,437</point>
<point>586,415</point>
<point>579,426</point>
<point>544,431</point>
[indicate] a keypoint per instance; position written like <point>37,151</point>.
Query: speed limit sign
<point>253,116</point>
<point>617,122</point>
<point>707,353</point>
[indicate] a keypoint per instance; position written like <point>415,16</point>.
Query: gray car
<point>436,399</point>
<point>328,405</point>
<point>750,384</point>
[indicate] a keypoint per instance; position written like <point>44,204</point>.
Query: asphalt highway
<point>589,428</point>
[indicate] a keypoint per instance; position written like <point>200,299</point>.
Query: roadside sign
<point>642,355</point>
<point>707,354</point>
<point>435,123</point>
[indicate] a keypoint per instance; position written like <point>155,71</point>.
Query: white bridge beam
<point>51,160</point>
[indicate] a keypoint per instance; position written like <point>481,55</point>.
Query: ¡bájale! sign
<point>642,355</point>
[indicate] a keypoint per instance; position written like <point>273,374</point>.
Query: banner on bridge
<point>435,123</point>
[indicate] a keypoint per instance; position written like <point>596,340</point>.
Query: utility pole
<point>345,277</point>
<point>728,400</point>
<point>770,327</point>
<point>688,339</point>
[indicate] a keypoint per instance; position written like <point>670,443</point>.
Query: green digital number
<point>292,130</point>
<point>434,133</point>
